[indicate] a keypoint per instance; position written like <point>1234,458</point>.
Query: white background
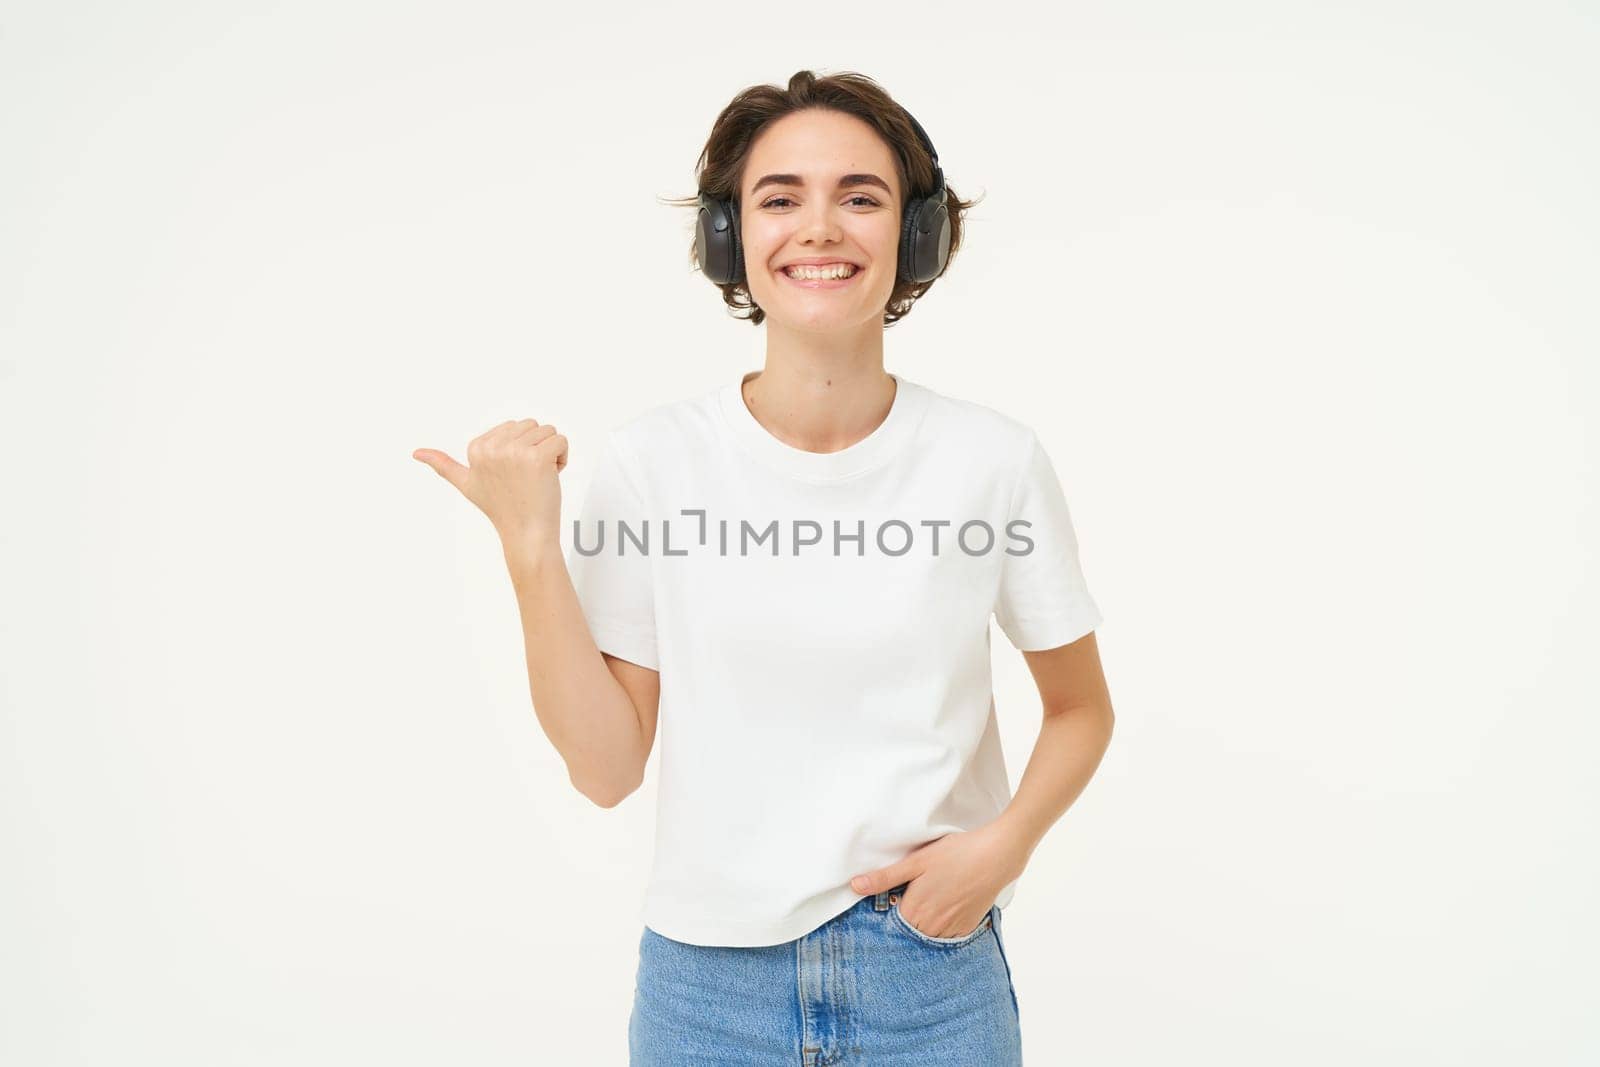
<point>1301,299</point>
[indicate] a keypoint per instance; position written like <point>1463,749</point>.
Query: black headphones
<point>924,231</point>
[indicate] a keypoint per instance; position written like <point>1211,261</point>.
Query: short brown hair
<point>720,167</point>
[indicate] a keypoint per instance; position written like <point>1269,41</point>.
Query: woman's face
<point>792,206</point>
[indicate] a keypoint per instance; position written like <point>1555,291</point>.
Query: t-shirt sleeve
<point>1043,601</point>
<point>616,591</point>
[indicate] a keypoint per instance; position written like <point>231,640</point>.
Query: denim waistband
<point>882,901</point>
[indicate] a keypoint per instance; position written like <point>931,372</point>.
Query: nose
<point>819,224</point>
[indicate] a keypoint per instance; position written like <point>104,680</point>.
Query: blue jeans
<point>865,987</point>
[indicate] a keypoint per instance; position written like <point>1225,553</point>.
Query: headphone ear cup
<point>716,240</point>
<point>907,265</point>
<point>925,238</point>
<point>934,242</point>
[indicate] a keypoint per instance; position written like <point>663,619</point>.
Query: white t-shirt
<point>826,704</point>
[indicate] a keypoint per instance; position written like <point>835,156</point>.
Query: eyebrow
<point>795,179</point>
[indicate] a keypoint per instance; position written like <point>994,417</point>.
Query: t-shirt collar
<point>891,435</point>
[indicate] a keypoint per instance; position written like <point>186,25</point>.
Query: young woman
<point>793,576</point>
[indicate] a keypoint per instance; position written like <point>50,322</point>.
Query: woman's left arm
<point>1072,739</point>
<point>954,880</point>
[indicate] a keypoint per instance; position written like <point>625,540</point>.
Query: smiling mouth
<point>832,277</point>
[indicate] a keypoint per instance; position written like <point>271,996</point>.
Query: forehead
<point>819,146</point>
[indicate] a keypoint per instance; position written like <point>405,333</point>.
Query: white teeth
<point>843,270</point>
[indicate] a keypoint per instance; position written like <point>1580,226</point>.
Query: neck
<point>821,392</point>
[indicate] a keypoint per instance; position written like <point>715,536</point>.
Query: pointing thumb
<point>443,465</point>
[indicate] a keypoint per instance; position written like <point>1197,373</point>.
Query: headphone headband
<point>927,142</point>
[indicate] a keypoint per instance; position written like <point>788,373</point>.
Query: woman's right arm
<point>598,711</point>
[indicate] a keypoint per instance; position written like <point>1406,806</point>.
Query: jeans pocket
<point>942,942</point>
